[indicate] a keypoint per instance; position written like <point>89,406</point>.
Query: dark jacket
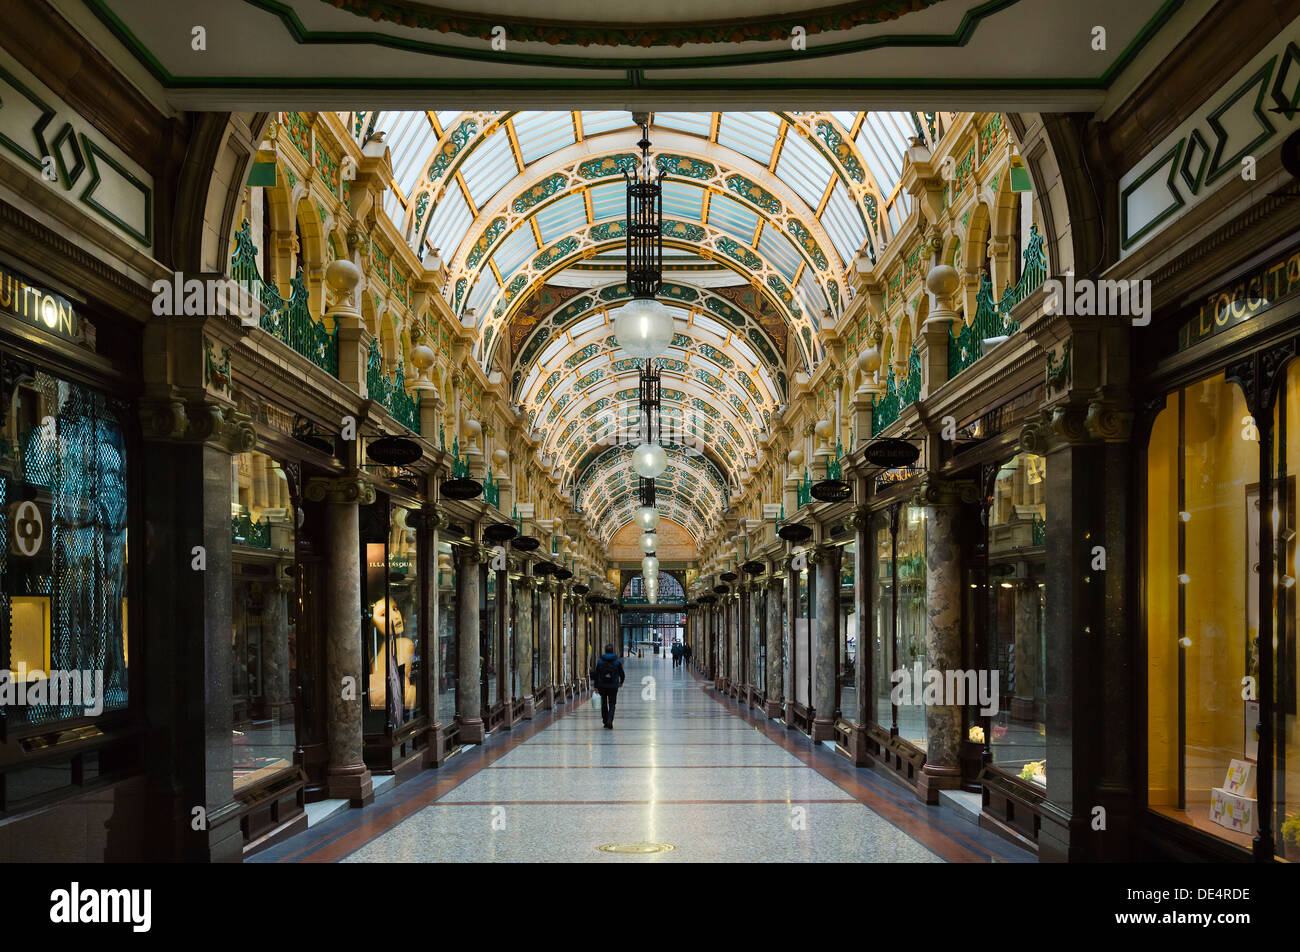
<point>614,659</point>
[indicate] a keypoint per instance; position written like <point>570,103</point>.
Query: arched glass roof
<point>763,215</point>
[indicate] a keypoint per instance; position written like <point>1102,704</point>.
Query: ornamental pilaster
<point>340,490</point>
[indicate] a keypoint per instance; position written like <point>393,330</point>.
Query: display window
<point>391,626</point>
<point>1016,590</point>
<point>1205,550</point>
<point>63,512</point>
<point>445,704</point>
<point>848,649</point>
<point>899,594</point>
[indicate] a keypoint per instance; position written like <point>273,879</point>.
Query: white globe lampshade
<point>649,542</point>
<point>647,517</point>
<point>649,460</point>
<point>652,586</point>
<point>643,327</point>
<point>650,566</point>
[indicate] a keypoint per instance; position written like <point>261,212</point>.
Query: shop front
<point>1219,450</point>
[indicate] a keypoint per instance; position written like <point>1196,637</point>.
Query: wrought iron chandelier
<point>643,326</point>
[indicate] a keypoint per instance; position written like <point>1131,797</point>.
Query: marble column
<point>469,697</point>
<point>431,520</point>
<point>943,637</point>
<point>545,646</point>
<point>276,691</point>
<point>524,591</point>
<point>755,632</point>
<point>775,661</point>
<point>733,638</point>
<point>826,633</point>
<point>791,642</point>
<point>347,776</point>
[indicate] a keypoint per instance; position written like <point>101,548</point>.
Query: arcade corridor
<point>683,769</point>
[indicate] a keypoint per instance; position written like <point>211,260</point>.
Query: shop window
<point>63,505</point>
<point>391,608</point>
<point>1017,610</point>
<point>445,705</point>
<point>1204,554</point>
<point>261,679</point>
<point>899,568</point>
<point>848,636</point>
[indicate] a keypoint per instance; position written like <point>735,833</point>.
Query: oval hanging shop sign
<point>892,454</point>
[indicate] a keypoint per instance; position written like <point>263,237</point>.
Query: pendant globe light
<point>650,566</point>
<point>649,460</point>
<point>649,542</point>
<point>643,326</point>
<point>647,517</point>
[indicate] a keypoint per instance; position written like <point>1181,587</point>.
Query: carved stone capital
<point>1108,420</point>
<point>343,490</point>
<point>1061,425</point>
<point>859,518</point>
<point>529,583</point>
<point>434,518</point>
<point>176,421</point>
<point>946,492</point>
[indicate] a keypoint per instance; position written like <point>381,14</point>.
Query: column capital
<point>1067,424</point>
<point>340,489</point>
<point>946,492</point>
<point>178,421</point>
<point>433,518</point>
<point>859,518</point>
<point>529,583</point>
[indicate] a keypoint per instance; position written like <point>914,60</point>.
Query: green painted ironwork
<point>390,392</point>
<point>288,320</point>
<point>835,468</point>
<point>804,489</point>
<point>492,490</point>
<point>1040,530</point>
<point>244,531</point>
<point>898,395</point>
<point>993,318</point>
<point>459,464</point>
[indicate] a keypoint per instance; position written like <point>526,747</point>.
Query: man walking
<point>608,677</point>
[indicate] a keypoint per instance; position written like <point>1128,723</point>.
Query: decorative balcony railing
<point>244,531</point>
<point>898,395</point>
<point>804,489</point>
<point>390,392</point>
<point>492,490</point>
<point>1040,530</point>
<point>288,320</point>
<point>993,318</point>
<point>835,468</point>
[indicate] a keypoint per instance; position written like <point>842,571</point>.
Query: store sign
<point>892,454</point>
<point>28,538</point>
<point>1249,296</point>
<point>37,306</point>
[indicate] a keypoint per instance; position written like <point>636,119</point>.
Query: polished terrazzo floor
<point>681,767</point>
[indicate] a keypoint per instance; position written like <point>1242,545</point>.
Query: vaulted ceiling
<point>763,215</point>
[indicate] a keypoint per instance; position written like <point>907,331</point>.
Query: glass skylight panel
<point>489,167</point>
<point>682,201</point>
<point>845,119</point>
<point>483,293</point>
<point>811,296</point>
<point>776,248</point>
<point>843,223</point>
<point>696,123</point>
<point>393,207</point>
<point>541,133</point>
<point>447,118</point>
<point>609,201</point>
<point>750,133</point>
<point>586,324</point>
<point>414,144</point>
<point>559,218</point>
<point>531,379</point>
<point>733,218</point>
<point>596,122</point>
<point>882,141</point>
<point>518,247</point>
<point>743,349</point>
<point>710,325</point>
<point>449,222</point>
<point>804,169</point>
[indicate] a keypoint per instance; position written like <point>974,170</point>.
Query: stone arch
<point>311,252</point>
